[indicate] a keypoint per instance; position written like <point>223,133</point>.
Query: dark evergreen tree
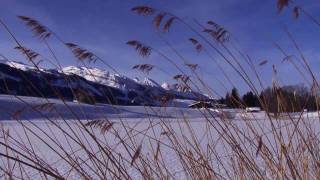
<point>235,98</point>
<point>250,100</point>
<point>228,101</point>
<point>221,100</point>
<point>288,99</point>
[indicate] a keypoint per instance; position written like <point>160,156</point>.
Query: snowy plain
<point>38,127</point>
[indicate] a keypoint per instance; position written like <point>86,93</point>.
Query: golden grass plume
<point>143,10</point>
<point>218,32</point>
<point>143,50</point>
<point>30,54</point>
<point>145,68</point>
<point>38,29</point>
<point>198,46</point>
<point>81,53</point>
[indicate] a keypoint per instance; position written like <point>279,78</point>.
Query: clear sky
<point>104,26</point>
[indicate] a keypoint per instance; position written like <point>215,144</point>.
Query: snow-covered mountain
<point>72,82</point>
<point>108,79</point>
<point>101,77</point>
<point>18,65</point>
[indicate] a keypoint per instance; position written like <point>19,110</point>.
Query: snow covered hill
<point>34,108</point>
<point>71,82</point>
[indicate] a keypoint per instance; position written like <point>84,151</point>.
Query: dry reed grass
<point>289,150</point>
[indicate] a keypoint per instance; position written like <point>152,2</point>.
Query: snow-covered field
<point>55,134</point>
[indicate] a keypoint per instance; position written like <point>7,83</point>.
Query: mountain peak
<point>18,65</point>
<point>94,81</point>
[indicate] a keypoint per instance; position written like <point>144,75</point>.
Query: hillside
<point>71,82</point>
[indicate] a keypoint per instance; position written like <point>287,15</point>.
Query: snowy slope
<point>103,86</point>
<point>19,65</point>
<point>109,79</point>
<point>10,105</point>
<point>101,77</point>
<point>127,84</point>
<point>21,79</point>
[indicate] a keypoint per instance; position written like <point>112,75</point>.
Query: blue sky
<point>104,26</point>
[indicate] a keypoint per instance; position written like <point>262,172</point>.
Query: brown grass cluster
<point>81,53</point>
<point>39,30</point>
<point>162,145</point>
<point>142,49</point>
<point>30,54</point>
<point>145,68</point>
<point>217,32</point>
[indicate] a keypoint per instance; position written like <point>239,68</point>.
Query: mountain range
<point>69,83</point>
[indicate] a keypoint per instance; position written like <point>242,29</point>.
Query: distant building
<point>253,109</point>
<point>201,104</point>
<point>207,104</point>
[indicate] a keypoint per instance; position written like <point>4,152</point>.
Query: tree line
<point>293,98</point>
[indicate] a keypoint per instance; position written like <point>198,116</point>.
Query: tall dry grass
<point>157,147</point>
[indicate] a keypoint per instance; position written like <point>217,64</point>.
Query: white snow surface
<point>138,118</point>
<point>10,104</point>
